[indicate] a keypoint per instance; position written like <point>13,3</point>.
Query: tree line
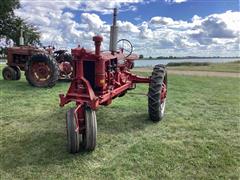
<point>11,25</point>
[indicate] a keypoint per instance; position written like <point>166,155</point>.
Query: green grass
<point>198,138</point>
<point>218,67</point>
<point>188,64</point>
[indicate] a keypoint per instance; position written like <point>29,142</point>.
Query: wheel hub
<point>41,71</point>
<point>66,68</point>
<point>8,75</point>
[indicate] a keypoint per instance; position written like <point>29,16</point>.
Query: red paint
<point>109,78</point>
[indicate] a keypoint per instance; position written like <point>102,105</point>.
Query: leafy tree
<point>7,7</point>
<point>10,25</point>
<point>140,56</point>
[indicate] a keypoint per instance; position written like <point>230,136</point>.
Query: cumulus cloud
<point>157,36</point>
<point>161,20</point>
<point>200,35</point>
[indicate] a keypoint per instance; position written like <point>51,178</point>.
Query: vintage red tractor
<point>98,78</point>
<point>43,67</point>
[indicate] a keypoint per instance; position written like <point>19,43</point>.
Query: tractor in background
<point>98,78</point>
<point>43,67</point>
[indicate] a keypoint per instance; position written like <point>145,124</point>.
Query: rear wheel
<point>90,133</point>
<point>73,137</point>
<point>67,57</point>
<point>157,93</point>
<point>42,71</point>
<point>9,73</point>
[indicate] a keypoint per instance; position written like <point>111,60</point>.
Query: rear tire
<point>157,93</point>
<point>42,71</point>
<point>73,137</point>
<point>9,73</point>
<point>90,134</point>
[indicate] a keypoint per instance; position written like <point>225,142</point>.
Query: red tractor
<point>43,67</point>
<point>98,78</point>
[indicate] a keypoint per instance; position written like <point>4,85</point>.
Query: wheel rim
<point>8,75</point>
<point>66,69</point>
<point>163,97</point>
<point>40,72</point>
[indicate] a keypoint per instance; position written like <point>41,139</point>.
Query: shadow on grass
<point>45,142</point>
<point>41,141</point>
<point>23,85</point>
<point>114,122</point>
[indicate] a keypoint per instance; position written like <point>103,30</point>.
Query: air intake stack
<point>21,39</point>
<point>114,33</point>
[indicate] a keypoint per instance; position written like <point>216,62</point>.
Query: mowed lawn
<point>198,138</point>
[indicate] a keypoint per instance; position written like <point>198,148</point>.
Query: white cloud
<point>156,37</point>
<point>93,21</point>
<point>200,35</point>
<point>161,20</point>
<point>125,26</point>
<point>175,1</point>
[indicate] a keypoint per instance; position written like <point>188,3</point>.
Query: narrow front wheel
<point>73,136</point>
<point>90,133</point>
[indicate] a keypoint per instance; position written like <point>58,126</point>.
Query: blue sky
<point>177,11</point>
<point>156,27</point>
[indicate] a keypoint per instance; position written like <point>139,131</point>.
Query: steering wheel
<point>54,45</point>
<point>125,46</point>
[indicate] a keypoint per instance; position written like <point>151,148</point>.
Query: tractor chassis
<point>90,99</point>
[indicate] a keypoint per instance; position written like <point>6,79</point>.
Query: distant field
<point>198,138</point>
<point>217,67</point>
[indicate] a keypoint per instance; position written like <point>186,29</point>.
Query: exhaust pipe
<point>21,39</point>
<point>114,33</point>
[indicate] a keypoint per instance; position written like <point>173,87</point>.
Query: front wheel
<point>157,93</point>
<point>90,133</point>
<point>9,73</point>
<point>73,136</point>
<point>18,72</point>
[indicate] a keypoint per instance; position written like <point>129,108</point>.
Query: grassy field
<point>198,138</point>
<point>217,67</point>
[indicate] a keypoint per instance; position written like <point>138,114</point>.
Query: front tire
<point>90,133</point>
<point>73,137</point>
<point>18,72</point>
<point>9,73</point>
<point>157,93</point>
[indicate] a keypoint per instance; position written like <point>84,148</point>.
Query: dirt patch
<point>193,73</point>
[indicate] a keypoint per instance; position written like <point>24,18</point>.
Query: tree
<point>10,25</point>
<point>140,56</point>
<point>7,7</point>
